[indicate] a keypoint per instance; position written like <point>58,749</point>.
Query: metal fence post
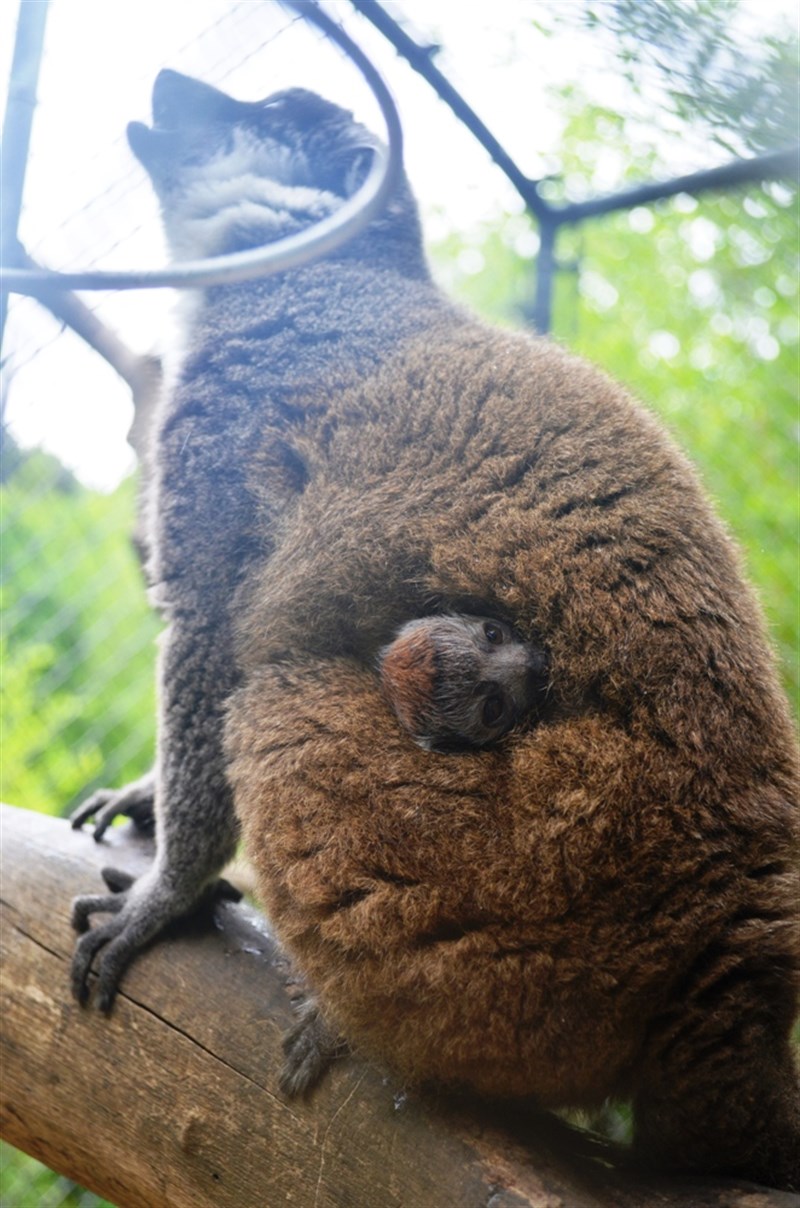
<point>20,105</point>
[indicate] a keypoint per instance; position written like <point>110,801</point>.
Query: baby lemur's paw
<point>309,1048</point>
<point>136,801</point>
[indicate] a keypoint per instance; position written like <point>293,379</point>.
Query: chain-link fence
<point>78,636</point>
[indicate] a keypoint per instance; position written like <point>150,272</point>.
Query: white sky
<point>87,203</point>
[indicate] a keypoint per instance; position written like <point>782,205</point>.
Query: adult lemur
<point>606,902</point>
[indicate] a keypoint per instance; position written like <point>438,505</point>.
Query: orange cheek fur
<point>408,674</point>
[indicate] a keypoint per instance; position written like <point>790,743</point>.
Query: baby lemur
<point>603,904</point>
<point>461,681</point>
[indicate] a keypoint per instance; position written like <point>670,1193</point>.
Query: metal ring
<point>287,253</point>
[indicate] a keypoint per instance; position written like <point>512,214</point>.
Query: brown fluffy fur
<point>608,904</point>
<point>604,904</point>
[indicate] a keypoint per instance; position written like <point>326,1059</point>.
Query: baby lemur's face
<point>461,681</point>
<point>235,174</point>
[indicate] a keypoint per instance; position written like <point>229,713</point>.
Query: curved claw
<point>118,940</point>
<point>88,945</point>
<point>134,921</point>
<point>310,1048</point>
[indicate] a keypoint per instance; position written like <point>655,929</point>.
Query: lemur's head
<point>235,174</point>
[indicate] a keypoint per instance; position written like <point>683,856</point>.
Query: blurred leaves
<point>77,640</point>
<point>25,1183</point>
<point>712,65</point>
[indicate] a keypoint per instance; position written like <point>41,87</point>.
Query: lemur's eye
<point>493,708</point>
<point>494,633</point>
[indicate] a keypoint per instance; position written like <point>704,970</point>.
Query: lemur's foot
<point>140,910</point>
<point>309,1047</point>
<point>136,801</point>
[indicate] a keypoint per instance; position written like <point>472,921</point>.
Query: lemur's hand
<point>136,801</point>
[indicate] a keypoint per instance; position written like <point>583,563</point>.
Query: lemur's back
<point>606,902</point>
<point>632,858</point>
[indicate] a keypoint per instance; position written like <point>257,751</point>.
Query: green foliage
<point>25,1183</point>
<point>77,678</point>
<point>743,88</point>
<point>77,640</point>
<point>694,305</point>
<point>723,374</point>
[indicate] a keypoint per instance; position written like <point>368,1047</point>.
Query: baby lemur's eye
<point>493,707</point>
<point>493,633</point>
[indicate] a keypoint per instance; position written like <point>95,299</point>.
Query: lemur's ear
<point>355,166</point>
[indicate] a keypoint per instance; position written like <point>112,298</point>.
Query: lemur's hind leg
<point>196,826</point>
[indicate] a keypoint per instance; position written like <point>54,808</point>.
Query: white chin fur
<point>253,193</point>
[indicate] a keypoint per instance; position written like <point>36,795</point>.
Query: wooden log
<point>172,1100</point>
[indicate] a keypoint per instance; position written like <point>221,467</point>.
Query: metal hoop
<point>287,253</point>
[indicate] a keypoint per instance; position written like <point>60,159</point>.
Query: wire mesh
<point>288,252</point>
<point>78,636</point>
